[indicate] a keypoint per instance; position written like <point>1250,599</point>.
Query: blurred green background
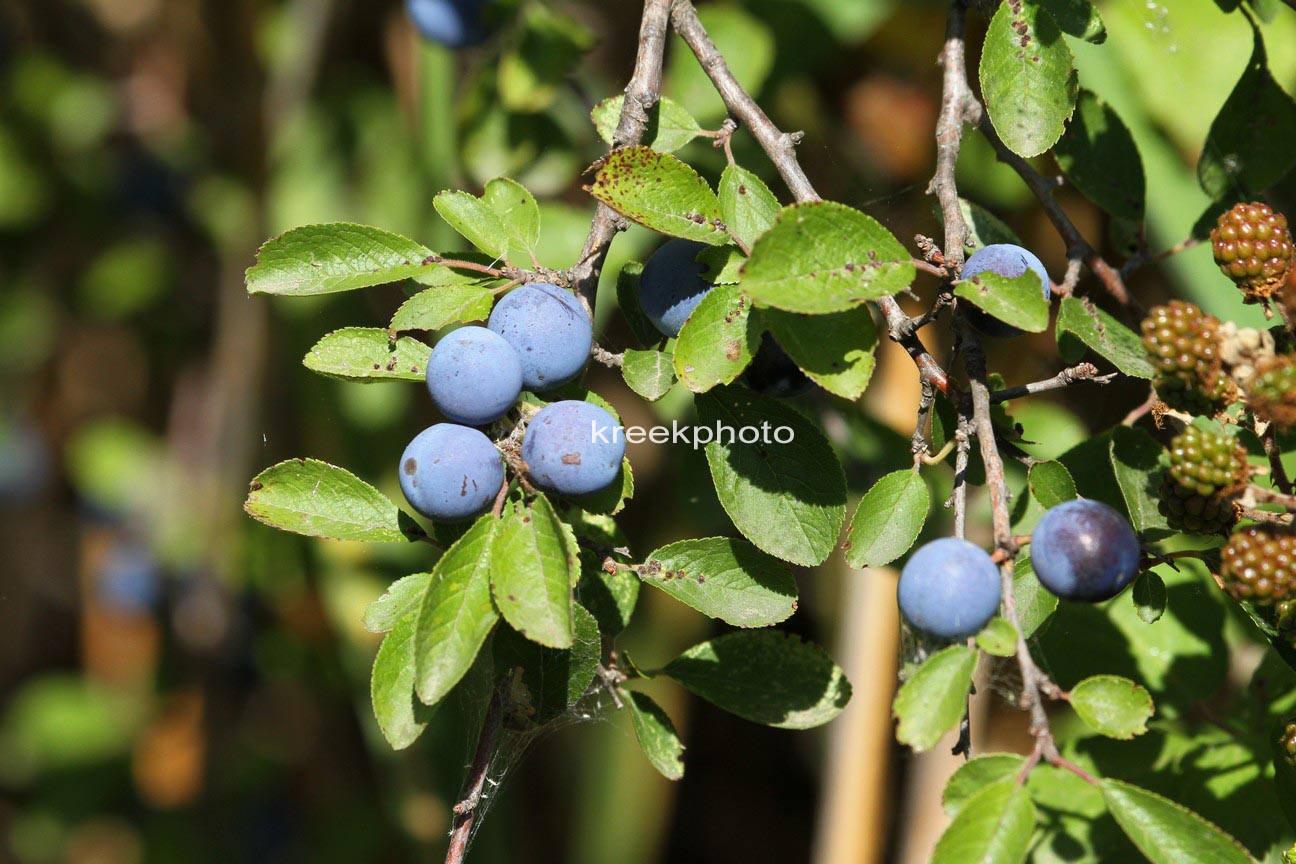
<point>178,683</point>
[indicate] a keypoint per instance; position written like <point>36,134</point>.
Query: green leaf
<point>998,638</point>
<point>973,776</point>
<point>657,736</point>
<point>722,265</point>
<point>1080,323</point>
<point>400,716</point>
<point>518,210</point>
<point>748,206</point>
<point>1166,832</point>
<point>533,567</point>
<point>323,259</point>
<point>627,291</point>
<point>764,676</point>
<point>610,597</point>
<point>368,354</point>
<point>457,613</point>
<point>555,678</point>
<point>717,341</point>
<point>611,501</point>
<point>651,374</point>
<point>440,307</point>
<point>994,827</point>
<point>306,496</point>
<point>1051,484</point>
<point>1249,144</point>
<point>670,125</point>
<point>1149,595</point>
<point>660,192</point>
<point>1136,462</point>
<point>1035,603</point>
<point>825,257</point>
<point>401,596</point>
<point>835,351</point>
<point>476,220</point>
<point>787,498</point>
<point>1017,301</point>
<point>1078,18</point>
<point>724,578</point>
<point>934,698</point>
<point>1112,706</point>
<point>1028,77</point>
<point>1099,156</point>
<point>889,518</point>
<point>545,50</point>
<point>984,228</point>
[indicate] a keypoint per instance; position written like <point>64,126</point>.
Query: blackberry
<point>1253,248</point>
<point>1271,392</point>
<point>1259,564</point>
<point>1184,345</point>
<point>1207,464</point>
<point>1287,743</point>
<point>1191,513</point>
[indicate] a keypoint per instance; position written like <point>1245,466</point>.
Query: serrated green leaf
<point>404,594</point>
<point>722,265</point>
<point>517,210</point>
<point>888,520</point>
<point>717,341</point>
<point>999,638</point>
<point>368,354</point>
<point>1078,18</point>
<point>306,496</point>
<point>660,192</point>
<point>1249,144</point>
<point>724,578</point>
<point>1099,156</point>
<point>670,125</point>
<point>764,676</point>
<point>994,827</point>
<point>651,374</point>
<point>825,257</point>
<point>1112,706</point>
<point>611,500</point>
<point>340,256</point>
<point>1166,832</point>
<point>400,716</point>
<point>973,776</point>
<point>1035,603</point>
<point>1013,300</point>
<point>934,698</point>
<point>457,613</point>
<point>475,220</point>
<point>1136,462</point>
<point>610,597</point>
<point>1028,77</point>
<point>1149,595</point>
<point>748,206</point>
<point>534,565</point>
<point>656,734</point>
<point>787,498</point>
<point>555,678</point>
<point>836,351</point>
<point>1080,321</point>
<point>440,307</point>
<point>1051,484</point>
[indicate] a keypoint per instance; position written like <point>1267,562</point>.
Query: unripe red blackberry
<point>1259,564</point>
<point>1253,248</point>
<point>1191,513</point>
<point>1207,464</point>
<point>1271,392</point>
<point>1183,344</point>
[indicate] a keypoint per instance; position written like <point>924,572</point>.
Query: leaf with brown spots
<point>717,341</point>
<point>660,192</point>
<point>368,354</point>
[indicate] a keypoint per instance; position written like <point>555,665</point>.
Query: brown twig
<point>1277,471</point>
<point>957,106</point>
<point>465,810</point>
<point>1065,378</point>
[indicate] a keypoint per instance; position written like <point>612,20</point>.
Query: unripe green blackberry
<point>1271,392</point>
<point>1207,464</point>
<point>1287,743</point>
<point>1183,344</point>
<point>1253,248</point>
<point>1191,513</point>
<point>1259,564</point>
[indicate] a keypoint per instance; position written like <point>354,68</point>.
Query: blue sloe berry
<point>550,331</point>
<point>1011,261</point>
<point>1085,550</point>
<point>573,448</point>
<point>453,23</point>
<point>672,285</point>
<point>949,589</point>
<point>474,376</point>
<point>450,473</point>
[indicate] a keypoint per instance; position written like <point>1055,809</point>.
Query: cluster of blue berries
<point>1081,550</point>
<point>672,285</point>
<point>537,338</point>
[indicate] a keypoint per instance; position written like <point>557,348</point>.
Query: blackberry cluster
<point>1259,564</point>
<point>1253,248</point>
<point>1271,393</point>
<point>1207,464</point>
<point>1191,513</point>
<point>1184,345</point>
<point>1287,742</point>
